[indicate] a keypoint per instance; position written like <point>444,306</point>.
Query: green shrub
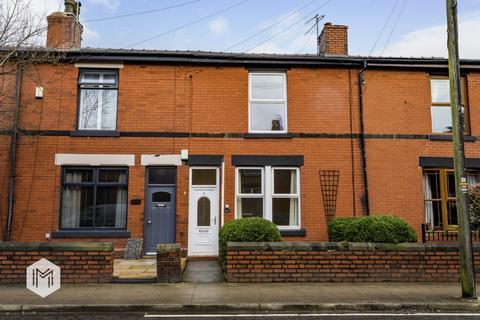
<point>474,207</point>
<point>247,230</point>
<point>385,229</point>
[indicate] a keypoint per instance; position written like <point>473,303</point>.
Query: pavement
<point>234,297</point>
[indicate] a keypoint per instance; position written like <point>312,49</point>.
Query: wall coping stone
<point>168,248</point>
<point>56,246</point>
<point>345,246</point>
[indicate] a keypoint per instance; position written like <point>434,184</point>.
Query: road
<point>143,316</point>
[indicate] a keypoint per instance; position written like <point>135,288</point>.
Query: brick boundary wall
<point>79,262</point>
<point>342,262</point>
<point>169,269</point>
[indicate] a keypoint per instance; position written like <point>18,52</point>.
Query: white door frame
<point>215,214</point>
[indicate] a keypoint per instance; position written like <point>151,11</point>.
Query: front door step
<point>134,271</point>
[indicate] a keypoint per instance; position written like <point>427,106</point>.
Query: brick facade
<point>205,109</point>
<point>79,262</point>
<point>342,262</point>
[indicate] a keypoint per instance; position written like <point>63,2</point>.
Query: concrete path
<point>208,271</point>
<point>240,297</point>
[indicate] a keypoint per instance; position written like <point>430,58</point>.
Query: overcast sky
<point>402,27</point>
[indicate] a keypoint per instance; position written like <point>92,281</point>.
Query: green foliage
<point>474,207</point>
<point>383,229</point>
<point>247,230</point>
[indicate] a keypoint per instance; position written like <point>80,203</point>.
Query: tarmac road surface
<point>264,316</point>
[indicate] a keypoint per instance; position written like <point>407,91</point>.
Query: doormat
<point>133,251</point>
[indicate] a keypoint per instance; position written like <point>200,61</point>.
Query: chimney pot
<point>333,40</point>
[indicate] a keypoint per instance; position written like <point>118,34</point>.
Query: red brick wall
<point>78,262</point>
<point>202,99</point>
<point>64,31</point>
<point>169,269</point>
<point>340,262</point>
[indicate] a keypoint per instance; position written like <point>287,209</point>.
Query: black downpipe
<point>13,156</point>
<point>363,151</point>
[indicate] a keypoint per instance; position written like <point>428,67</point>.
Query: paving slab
<point>226,296</point>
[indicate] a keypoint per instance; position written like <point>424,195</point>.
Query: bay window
<point>98,91</point>
<point>269,192</point>
<point>440,196</point>
<point>267,102</point>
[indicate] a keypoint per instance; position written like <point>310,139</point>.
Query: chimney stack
<point>333,41</point>
<point>64,28</point>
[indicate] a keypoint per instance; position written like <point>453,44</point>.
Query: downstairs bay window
<point>440,196</point>
<point>269,192</point>
<point>94,198</point>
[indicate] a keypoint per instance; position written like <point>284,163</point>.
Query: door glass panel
<point>204,177</point>
<point>203,212</point>
<point>161,197</point>
<point>161,176</point>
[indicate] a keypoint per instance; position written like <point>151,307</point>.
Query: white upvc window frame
<point>268,193</point>
<point>286,195</point>
<point>239,195</point>
<point>206,186</point>
<point>283,101</point>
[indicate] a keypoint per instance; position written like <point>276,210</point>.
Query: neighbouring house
<point>169,145</point>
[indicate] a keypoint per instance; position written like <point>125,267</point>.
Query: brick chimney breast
<point>333,40</point>
<point>64,28</point>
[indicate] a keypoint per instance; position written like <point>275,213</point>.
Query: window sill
<point>293,233</point>
<point>447,137</point>
<point>91,234</point>
<point>94,133</point>
<point>268,136</point>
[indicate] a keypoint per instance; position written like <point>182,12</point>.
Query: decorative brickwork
<point>80,262</point>
<point>342,262</point>
<point>169,263</point>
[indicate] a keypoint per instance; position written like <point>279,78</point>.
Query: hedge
<point>382,229</point>
<point>247,230</point>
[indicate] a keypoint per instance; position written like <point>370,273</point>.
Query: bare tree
<point>22,34</point>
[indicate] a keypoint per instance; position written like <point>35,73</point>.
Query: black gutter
<point>13,156</point>
<point>363,151</point>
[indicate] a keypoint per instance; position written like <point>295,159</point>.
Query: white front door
<point>203,212</point>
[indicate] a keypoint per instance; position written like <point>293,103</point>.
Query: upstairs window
<point>441,108</point>
<point>98,91</point>
<point>267,102</point>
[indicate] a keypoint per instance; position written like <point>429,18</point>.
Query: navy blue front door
<point>159,217</point>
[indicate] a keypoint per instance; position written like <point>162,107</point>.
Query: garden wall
<point>79,262</point>
<point>342,262</point>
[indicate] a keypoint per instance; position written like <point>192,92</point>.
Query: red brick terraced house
<point>167,146</point>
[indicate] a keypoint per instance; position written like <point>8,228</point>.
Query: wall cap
<point>168,248</point>
<point>56,246</point>
<point>345,246</point>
